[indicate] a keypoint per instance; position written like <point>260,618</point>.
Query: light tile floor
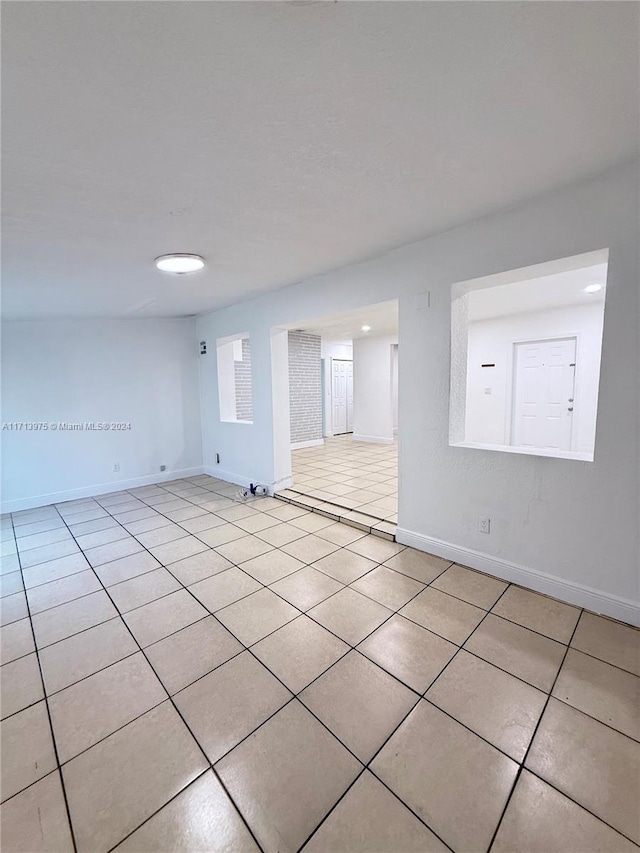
<point>355,474</point>
<point>184,672</point>
<point>360,478</point>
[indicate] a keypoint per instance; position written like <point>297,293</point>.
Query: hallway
<point>355,475</point>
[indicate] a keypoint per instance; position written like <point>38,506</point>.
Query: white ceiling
<point>347,325</point>
<point>284,139</point>
<point>539,294</point>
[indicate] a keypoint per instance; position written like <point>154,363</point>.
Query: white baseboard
<point>315,442</point>
<point>245,482</point>
<point>99,489</point>
<point>624,609</point>
<point>229,476</point>
<point>374,439</point>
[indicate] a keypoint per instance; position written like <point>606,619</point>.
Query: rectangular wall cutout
<point>525,358</point>
<point>235,392</point>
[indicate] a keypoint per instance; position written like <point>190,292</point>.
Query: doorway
<point>338,431</point>
<point>341,396</point>
<point>544,393</point>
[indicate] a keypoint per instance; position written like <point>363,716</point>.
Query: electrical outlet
<point>116,467</point>
<point>163,467</point>
<point>484,525</point>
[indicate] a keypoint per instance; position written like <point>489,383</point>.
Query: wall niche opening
<point>525,358</point>
<point>235,393</point>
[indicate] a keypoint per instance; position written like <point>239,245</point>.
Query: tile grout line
<point>113,663</point>
<point>157,811</point>
<point>209,547</point>
<point>521,765</point>
<point>49,720</point>
<point>325,726</point>
<point>336,550</point>
<point>239,503</point>
<point>352,648</point>
<point>177,711</point>
<point>394,612</point>
<point>367,767</point>
<point>133,719</point>
<point>319,569</point>
<point>424,698</point>
<point>295,696</point>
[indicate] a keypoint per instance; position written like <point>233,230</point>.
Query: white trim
<point>99,489</point>
<point>373,439</point>
<point>230,477</point>
<point>526,451</point>
<point>558,265</point>
<point>241,481</point>
<point>624,609</point>
<point>314,442</point>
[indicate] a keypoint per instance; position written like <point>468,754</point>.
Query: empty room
<point>320,447</point>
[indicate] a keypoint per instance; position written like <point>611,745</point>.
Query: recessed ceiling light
<point>596,287</point>
<point>366,328</point>
<point>179,263</point>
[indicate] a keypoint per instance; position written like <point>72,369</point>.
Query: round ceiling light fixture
<point>596,287</point>
<point>179,263</point>
<point>366,328</point>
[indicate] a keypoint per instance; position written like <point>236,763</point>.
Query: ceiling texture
<point>281,140</point>
<point>381,317</point>
<point>529,295</point>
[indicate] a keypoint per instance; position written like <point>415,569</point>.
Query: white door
<point>543,393</point>
<point>349,396</point>
<point>341,396</point>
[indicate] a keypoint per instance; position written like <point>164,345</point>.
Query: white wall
<point>281,432</point>
<point>562,526</point>
<point>488,416</point>
<point>372,389</point>
<point>394,387</point>
<point>225,359</point>
<point>335,349</point>
<point>140,371</point>
<point>328,350</point>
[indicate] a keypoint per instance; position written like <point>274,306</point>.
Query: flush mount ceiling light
<point>596,287</point>
<point>179,264</point>
<point>366,328</point>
